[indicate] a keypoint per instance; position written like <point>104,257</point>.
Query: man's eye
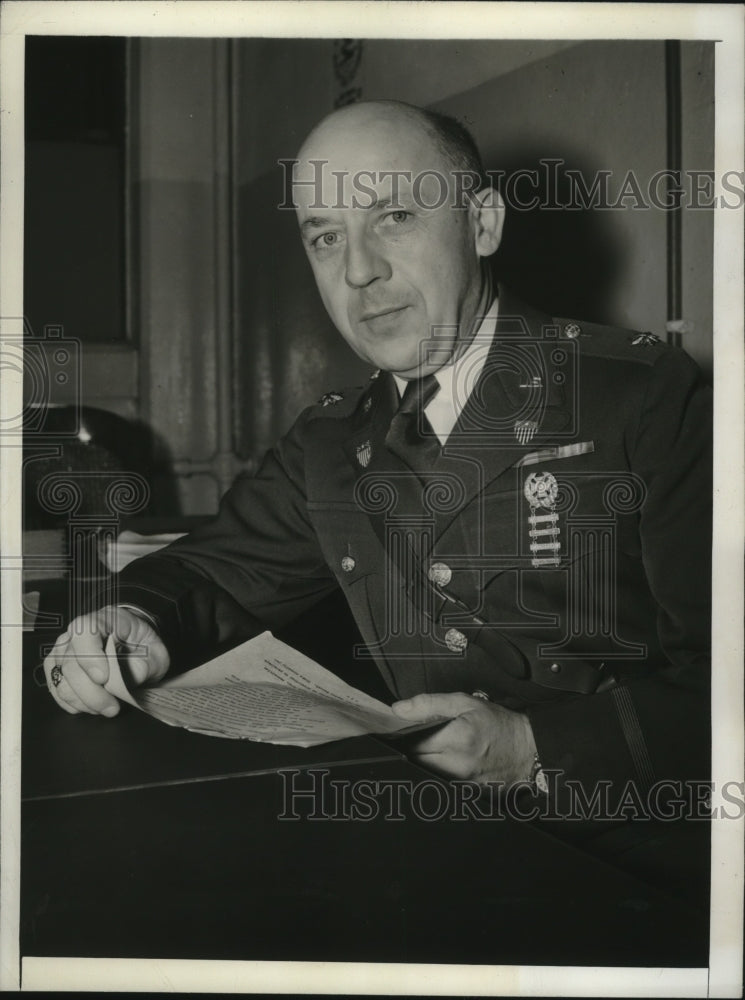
<point>399,216</point>
<point>325,240</point>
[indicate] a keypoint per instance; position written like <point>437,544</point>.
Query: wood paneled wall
<point>182,257</point>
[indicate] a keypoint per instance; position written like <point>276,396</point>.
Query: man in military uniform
<point>515,507</point>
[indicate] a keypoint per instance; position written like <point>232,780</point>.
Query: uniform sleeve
<point>656,728</point>
<point>257,565</point>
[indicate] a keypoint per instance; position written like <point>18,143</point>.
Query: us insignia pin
<point>541,490</point>
<point>525,430</point>
<point>364,454</point>
<point>645,340</point>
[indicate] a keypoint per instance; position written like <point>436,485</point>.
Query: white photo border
<point>718,22</point>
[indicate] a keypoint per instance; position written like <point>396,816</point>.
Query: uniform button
<point>440,573</point>
<point>348,564</point>
<point>555,668</point>
<point>455,641</point>
<point>572,330</point>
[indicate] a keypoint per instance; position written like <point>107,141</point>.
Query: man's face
<point>392,272</point>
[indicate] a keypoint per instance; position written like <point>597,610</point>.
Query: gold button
<point>455,641</point>
<point>348,564</point>
<point>572,330</point>
<point>440,573</point>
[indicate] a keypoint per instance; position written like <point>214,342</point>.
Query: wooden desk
<point>140,840</point>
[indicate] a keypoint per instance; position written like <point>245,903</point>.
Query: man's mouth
<point>380,313</point>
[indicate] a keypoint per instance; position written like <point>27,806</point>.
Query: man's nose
<point>365,264</point>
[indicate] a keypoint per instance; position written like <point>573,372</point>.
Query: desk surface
<point>70,756</point>
<point>209,870</point>
<point>131,848</point>
<point>141,840</point>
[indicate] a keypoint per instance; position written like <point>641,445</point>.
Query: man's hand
<point>484,742</point>
<point>78,663</point>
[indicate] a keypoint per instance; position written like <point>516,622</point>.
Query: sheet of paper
<point>262,690</point>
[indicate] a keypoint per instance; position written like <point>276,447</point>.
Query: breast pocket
<point>550,537</point>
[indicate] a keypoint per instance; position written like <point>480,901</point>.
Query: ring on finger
<point>56,676</point>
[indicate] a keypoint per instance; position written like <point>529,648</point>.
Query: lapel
<point>386,489</point>
<point>364,445</point>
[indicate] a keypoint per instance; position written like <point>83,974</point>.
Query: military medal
<point>541,490</point>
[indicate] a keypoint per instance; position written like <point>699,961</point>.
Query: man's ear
<point>487,215</point>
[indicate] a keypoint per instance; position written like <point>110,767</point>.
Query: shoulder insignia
<point>331,398</point>
<point>645,340</point>
<point>614,343</point>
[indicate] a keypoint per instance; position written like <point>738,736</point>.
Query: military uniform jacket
<point>555,554</point>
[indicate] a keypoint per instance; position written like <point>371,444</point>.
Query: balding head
<point>359,117</point>
<point>396,228</point>
<point>445,146</point>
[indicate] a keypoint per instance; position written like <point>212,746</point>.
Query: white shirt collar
<point>458,378</point>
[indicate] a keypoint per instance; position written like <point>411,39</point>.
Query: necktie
<point>410,435</point>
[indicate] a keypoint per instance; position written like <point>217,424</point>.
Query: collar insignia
<point>364,453</point>
<point>525,430</point>
<point>331,398</point>
<point>645,340</point>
